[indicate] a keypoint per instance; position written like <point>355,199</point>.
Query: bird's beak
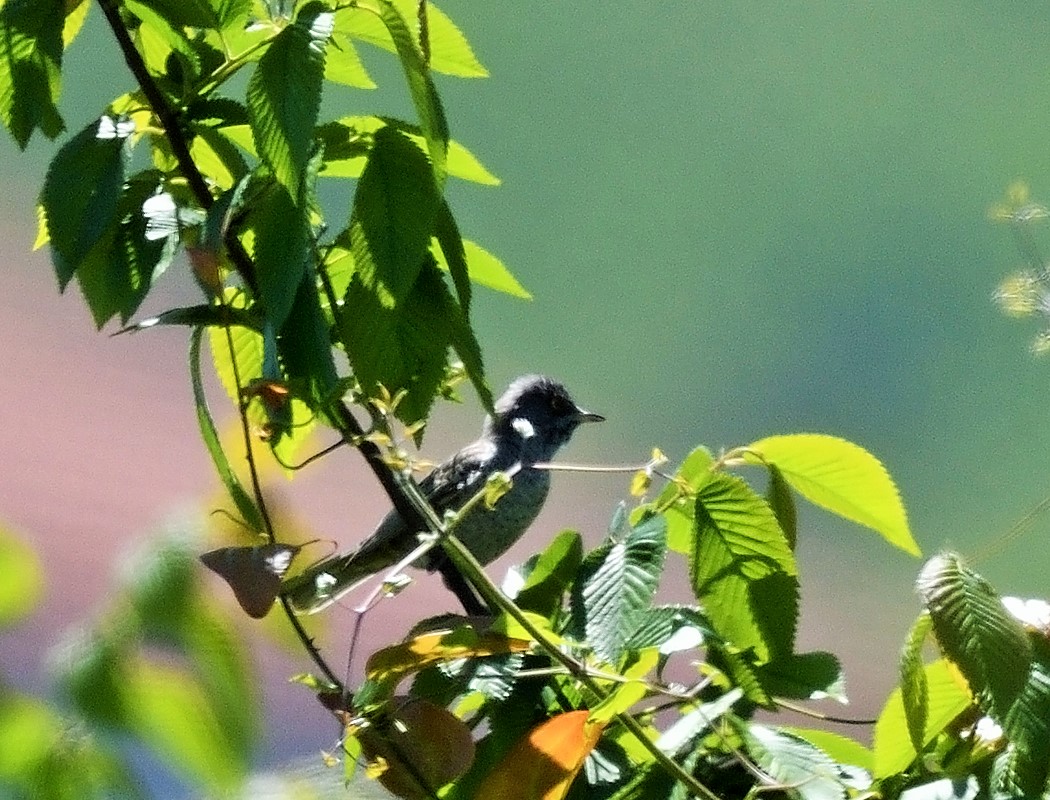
<point>587,416</point>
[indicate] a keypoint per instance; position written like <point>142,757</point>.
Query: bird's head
<point>541,412</point>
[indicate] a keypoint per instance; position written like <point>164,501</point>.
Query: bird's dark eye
<point>560,404</point>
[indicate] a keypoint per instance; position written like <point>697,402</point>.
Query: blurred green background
<point>737,219</point>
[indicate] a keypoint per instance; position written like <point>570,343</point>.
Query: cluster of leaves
<point>161,667</point>
<point>570,683</point>
<point>574,688</point>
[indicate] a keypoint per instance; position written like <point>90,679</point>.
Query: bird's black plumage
<point>533,419</point>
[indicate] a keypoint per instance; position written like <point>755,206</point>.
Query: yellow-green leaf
<point>948,696</point>
<point>841,477</point>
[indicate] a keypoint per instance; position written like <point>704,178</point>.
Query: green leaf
<point>842,478</point>
<point>1027,726</point>
<point>778,495</point>
<point>185,13</point>
<point>306,348</point>
<point>485,269</point>
<point>424,95</point>
<point>450,52</point>
<point>792,761</point>
<point>343,65</point>
<point>30,67</point>
<point>282,250</point>
<point>736,531</point>
<point>615,587</point>
<point>975,631</point>
<point>678,499</point>
<point>198,316</point>
<point>400,348</point>
<point>841,749</point>
<point>22,582</point>
<point>347,142</point>
<point>914,692</point>
<point>805,676</point>
<point>450,244</point>
<point>661,625</point>
<point>116,274</point>
<point>250,513</point>
<point>551,575</point>
<point>394,215</point>
<point>284,95</point>
<point>82,191</point>
<point>948,698</point>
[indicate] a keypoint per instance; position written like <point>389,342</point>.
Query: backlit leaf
<point>843,478</point>
<point>948,698</point>
<point>30,67</point>
<point>284,94</point>
<point>22,580</point>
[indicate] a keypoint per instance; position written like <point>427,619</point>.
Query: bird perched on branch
<point>532,420</point>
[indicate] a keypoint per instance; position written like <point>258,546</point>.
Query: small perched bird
<point>532,420</point>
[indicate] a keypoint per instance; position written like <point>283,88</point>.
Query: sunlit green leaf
<point>678,499</point>
<point>615,586</point>
<point>792,761</point>
<point>485,269</point>
<point>841,477</point>
<point>343,65</point>
<point>841,749</point>
<point>284,94</point>
<point>30,67</point>
<point>361,23</point>
<point>914,692</point>
<point>948,698</point>
<point>975,631</point>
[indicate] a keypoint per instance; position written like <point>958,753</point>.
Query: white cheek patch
<point>523,427</point>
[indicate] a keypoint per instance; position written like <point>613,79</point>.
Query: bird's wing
<point>447,487</point>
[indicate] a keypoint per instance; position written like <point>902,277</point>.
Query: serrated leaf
<point>975,631</point>
<point>404,348</point>
<point>948,698</point>
<point>30,67</point>
<point>284,94</point>
<point>778,495</point>
<point>198,316</point>
<point>450,53</point>
<point>841,749</point>
<point>450,245</point>
<point>81,193</point>
<point>1027,726</point>
<point>659,625</point>
<point>484,269</point>
<point>21,587</point>
<point>424,95</point>
<point>841,477</point>
<point>678,499</point>
<point>617,588</point>
<point>914,692</point>
<point>792,761</point>
<point>737,532</point>
<point>343,65</point>
<point>395,209</point>
<point>348,140</point>
<point>116,274</point>
<point>282,249</point>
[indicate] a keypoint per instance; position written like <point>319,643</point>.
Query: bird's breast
<point>489,533</point>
